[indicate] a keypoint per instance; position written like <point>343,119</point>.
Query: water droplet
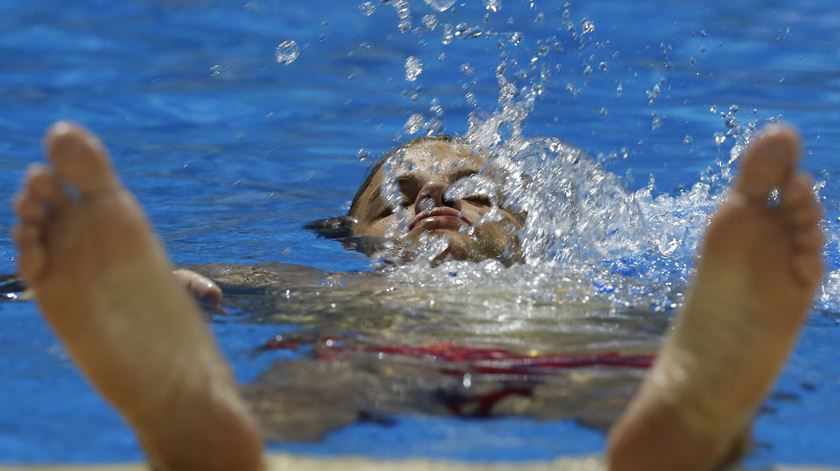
<point>286,52</point>
<point>441,5</point>
<point>404,14</point>
<point>448,34</point>
<point>655,122</point>
<point>430,22</point>
<point>413,68</point>
<point>414,123</point>
<point>368,8</point>
<point>588,26</point>
<point>731,123</point>
<point>507,93</point>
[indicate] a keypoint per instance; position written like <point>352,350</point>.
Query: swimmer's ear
<point>338,227</point>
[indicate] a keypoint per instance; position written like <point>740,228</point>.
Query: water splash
<point>586,235</point>
<point>441,5</point>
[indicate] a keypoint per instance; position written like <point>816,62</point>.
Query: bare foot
<point>103,282</point>
<point>758,271</point>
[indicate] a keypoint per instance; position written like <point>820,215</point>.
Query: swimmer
<point>428,167</point>
<point>104,283</point>
<point>425,169</point>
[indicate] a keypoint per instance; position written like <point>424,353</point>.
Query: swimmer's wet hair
<point>341,227</point>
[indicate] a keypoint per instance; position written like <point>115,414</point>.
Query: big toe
<point>768,162</point>
<point>79,158</point>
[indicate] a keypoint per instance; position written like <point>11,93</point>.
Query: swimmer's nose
<point>432,196</point>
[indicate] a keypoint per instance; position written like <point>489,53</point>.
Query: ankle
<point>654,434</point>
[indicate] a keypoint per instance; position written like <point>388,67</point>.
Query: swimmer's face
<point>423,176</point>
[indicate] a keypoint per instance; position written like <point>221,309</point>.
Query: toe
<point>79,158</point>
<point>40,193</point>
<point>799,203</point>
<point>30,209</point>
<point>26,234</point>
<point>43,186</point>
<point>808,269</point>
<point>31,255</point>
<point>768,162</point>
<point>810,241</point>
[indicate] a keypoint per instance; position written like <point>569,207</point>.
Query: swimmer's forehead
<point>435,157</point>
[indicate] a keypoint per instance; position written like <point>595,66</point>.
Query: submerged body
<point>92,261</point>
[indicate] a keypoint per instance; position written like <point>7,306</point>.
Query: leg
<point>758,270</point>
<point>104,284</point>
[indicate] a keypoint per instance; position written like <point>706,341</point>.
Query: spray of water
<point>586,236</point>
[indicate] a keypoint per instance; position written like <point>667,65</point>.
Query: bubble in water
<point>430,22</point>
<point>713,108</point>
<point>413,68</point>
<point>215,70</point>
<point>587,70</point>
<point>493,5</point>
<point>441,5</point>
<point>603,66</point>
<point>467,70</point>
<point>588,26</point>
<point>619,89</point>
<point>515,38</point>
<point>720,138</point>
<point>363,154</point>
<point>604,111</point>
<point>688,139</point>
<point>414,123</point>
<point>286,52</point>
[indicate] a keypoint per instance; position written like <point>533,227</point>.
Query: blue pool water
<point>232,151</point>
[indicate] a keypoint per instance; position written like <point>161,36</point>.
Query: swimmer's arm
<point>203,281</point>
<point>13,288</point>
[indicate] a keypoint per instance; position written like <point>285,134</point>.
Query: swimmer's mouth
<point>439,217</point>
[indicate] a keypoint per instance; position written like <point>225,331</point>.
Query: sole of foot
<point>758,270</point>
<point>103,282</point>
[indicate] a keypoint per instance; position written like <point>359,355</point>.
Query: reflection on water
<point>373,345</point>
